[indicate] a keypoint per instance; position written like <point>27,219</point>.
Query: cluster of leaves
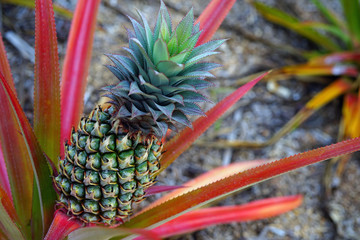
<point>337,61</point>
<point>28,154</point>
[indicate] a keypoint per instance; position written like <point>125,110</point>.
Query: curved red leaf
<point>211,18</point>
<point>200,219</point>
<point>216,190</point>
<point>76,65</point>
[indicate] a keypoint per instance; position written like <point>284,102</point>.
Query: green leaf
<point>148,33</point>
<point>351,10</point>
<point>26,162</point>
<point>334,30</point>
<point>184,29</point>
<point>169,68</point>
<point>46,81</point>
<point>329,15</point>
<point>279,17</point>
<point>161,52</point>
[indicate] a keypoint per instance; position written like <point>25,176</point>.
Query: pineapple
<point>115,154</point>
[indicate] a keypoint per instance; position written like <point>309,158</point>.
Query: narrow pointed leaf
<point>96,233</point>
<point>46,81</point>
<point>212,17</point>
<point>279,17</point>
<point>4,65</point>
<point>26,163</point>
<point>329,14</point>
<point>351,10</point>
<point>185,138</point>
<point>76,65</point>
<point>207,178</point>
<point>152,190</point>
<point>350,109</point>
<point>320,70</point>
<point>200,219</point>
<point>328,94</point>
<point>16,158</point>
<point>229,185</point>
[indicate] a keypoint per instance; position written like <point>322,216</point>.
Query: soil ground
<point>253,45</point>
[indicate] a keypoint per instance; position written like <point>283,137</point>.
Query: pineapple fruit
<point>115,154</point>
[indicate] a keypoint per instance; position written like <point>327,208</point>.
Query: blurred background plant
<point>336,63</point>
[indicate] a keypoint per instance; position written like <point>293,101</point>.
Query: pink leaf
<point>76,65</point>
<point>200,219</point>
<point>211,18</point>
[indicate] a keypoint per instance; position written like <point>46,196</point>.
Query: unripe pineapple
<point>115,154</point>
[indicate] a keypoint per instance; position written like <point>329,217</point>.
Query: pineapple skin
<point>106,169</point>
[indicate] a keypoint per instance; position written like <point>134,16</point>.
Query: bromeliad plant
<point>111,160</point>
<point>337,61</point>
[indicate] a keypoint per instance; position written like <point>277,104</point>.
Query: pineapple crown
<point>160,80</point>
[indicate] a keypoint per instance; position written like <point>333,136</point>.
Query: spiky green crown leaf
<point>160,81</point>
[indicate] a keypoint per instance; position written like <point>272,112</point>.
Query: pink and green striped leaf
<point>26,164</point>
<point>76,65</point>
<point>16,157</point>
<point>185,138</point>
<point>46,81</point>
<point>199,197</point>
<point>6,71</point>
<point>203,218</point>
<point>212,17</point>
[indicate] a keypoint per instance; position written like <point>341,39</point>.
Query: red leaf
<point>46,81</point>
<point>185,138</point>
<point>61,226</point>
<point>214,191</point>
<point>4,66</point>
<point>211,18</point>
<point>200,219</point>
<point>207,178</point>
<point>24,157</point>
<point>76,65</point>
<point>4,178</point>
<point>159,189</point>
<point>16,157</point>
